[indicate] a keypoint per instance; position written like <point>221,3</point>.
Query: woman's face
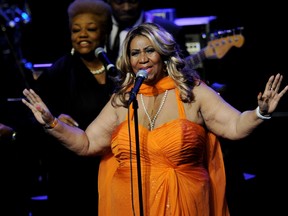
<point>143,56</point>
<point>86,33</point>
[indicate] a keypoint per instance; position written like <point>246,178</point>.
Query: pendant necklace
<point>152,121</point>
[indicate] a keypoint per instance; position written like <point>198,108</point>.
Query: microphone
<point>140,77</point>
<point>101,54</point>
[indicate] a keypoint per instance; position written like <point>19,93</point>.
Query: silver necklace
<point>152,121</point>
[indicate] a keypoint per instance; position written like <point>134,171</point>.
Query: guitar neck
<point>195,59</point>
<point>215,49</point>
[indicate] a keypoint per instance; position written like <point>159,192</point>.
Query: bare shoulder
<point>208,99</point>
<point>114,114</point>
<point>203,90</point>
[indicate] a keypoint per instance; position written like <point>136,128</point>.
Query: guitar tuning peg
<point>204,36</point>
<point>212,36</point>
<point>223,42</point>
<point>228,31</point>
<point>220,32</point>
<point>239,29</point>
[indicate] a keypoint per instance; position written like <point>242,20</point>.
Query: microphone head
<point>142,73</point>
<point>98,51</point>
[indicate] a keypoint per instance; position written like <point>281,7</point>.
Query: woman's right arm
<point>94,140</point>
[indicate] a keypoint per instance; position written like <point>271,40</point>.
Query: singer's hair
<point>98,7</point>
<point>164,43</point>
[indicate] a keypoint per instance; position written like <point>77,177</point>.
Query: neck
<point>161,86</point>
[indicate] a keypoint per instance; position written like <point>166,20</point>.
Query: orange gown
<point>182,172</point>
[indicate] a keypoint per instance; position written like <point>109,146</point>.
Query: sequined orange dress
<point>181,167</point>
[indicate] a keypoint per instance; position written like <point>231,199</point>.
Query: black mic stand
<point>135,107</point>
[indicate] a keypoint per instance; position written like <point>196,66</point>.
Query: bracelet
<point>259,115</point>
<point>52,125</point>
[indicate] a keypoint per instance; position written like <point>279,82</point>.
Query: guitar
<point>215,49</point>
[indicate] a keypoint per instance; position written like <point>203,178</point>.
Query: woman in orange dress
<point>179,119</point>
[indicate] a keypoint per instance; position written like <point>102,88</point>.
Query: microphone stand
<point>135,107</point>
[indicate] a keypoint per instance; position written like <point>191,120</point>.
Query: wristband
<point>52,125</point>
<point>259,115</point>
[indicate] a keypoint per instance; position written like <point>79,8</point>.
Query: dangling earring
<point>165,68</point>
<point>72,51</point>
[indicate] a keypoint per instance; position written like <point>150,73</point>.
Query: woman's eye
<point>75,30</point>
<point>134,53</point>
<point>92,29</point>
<point>150,50</point>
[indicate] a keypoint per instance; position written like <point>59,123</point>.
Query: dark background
<point>47,37</point>
<point>243,70</point>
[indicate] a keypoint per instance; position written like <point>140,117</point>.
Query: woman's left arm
<point>226,121</point>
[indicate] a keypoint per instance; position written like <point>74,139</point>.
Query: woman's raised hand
<point>272,94</point>
<point>38,107</point>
